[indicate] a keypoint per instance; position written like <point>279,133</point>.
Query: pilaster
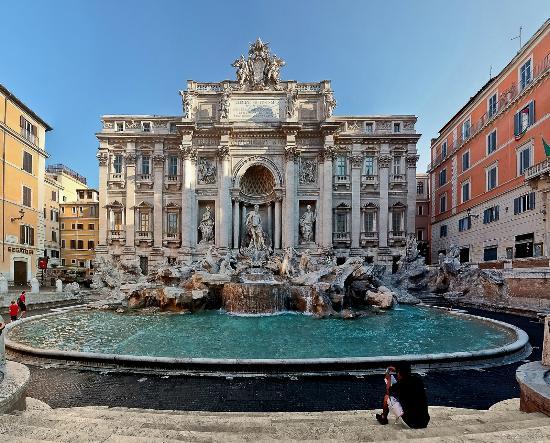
<point>158,171</point>
<point>356,160</point>
<point>290,201</point>
<point>103,159</point>
<point>412,158</point>
<point>130,163</point>
<point>384,162</point>
<point>224,194</point>
<point>326,194</point>
<point>188,203</point>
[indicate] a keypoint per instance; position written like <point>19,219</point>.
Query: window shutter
<point>516,124</point>
<point>33,130</point>
<point>531,112</point>
<point>531,200</point>
<point>21,121</point>
<point>31,232</point>
<point>22,234</point>
<point>516,205</point>
<point>496,213</point>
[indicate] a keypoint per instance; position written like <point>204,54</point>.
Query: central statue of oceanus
<point>255,231</point>
<point>260,70</point>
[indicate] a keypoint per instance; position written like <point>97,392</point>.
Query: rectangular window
<point>62,262</point>
<point>63,244</point>
<point>490,253</point>
<point>397,221</point>
<point>54,236</point>
<point>524,159</point>
<point>172,223</point>
<point>442,177</point>
<point>27,162</point>
<point>369,221</point>
<point>119,126</point>
<point>524,118</point>
<point>466,129</point>
<point>56,215</point>
<point>73,244</point>
<point>173,166</point>
<point>420,187</point>
<point>524,203</point>
<point>443,203</point>
<point>525,74</point>
<point>44,213</point>
<point>492,177</point>
<point>27,196</point>
<point>341,222</point>
<point>62,225</point>
<point>443,231</point>
<point>368,166</point>
<point>80,244</point>
<point>420,210</point>
<point>341,169</point>
<point>146,126</point>
<point>397,127</point>
<point>91,226</point>
<point>145,162</point>
<point>73,226</point>
<point>492,142</point>
<point>93,210</point>
<point>117,220</point>
<point>54,196</point>
<point>79,226</point>
<point>464,224</point>
<point>173,128</point>
<point>444,149</point>
<point>492,105</point>
<point>89,194</point>
<point>144,219</point>
<point>369,128</point>
<point>80,195</point>
<point>91,245</point>
<point>28,130</point>
<point>26,235</point>
<point>490,214</point>
<point>117,164</point>
<point>465,192</point>
<point>466,161</point>
<point>420,234</point>
<point>397,166</point>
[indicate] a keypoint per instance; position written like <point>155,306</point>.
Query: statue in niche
<point>330,103</point>
<point>308,171</point>
<point>224,105</point>
<point>411,248</point>
<point>206,172</point>
<point>254,228</point>
<point>291,99</point>
<point>206,226</point>
<point>306,224</point>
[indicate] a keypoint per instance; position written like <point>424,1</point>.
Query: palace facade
<point>172,186</point>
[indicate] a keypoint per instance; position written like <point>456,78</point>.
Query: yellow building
<point>52,243</point>
<point>80,229</point>
<point>22,170</point>
<point>69,180</point>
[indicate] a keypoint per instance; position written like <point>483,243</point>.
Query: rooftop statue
<point>260,70</point>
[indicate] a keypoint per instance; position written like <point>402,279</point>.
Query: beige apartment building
<point>52,242</point>
<point>80,229</point>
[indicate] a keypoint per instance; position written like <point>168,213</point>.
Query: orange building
<point>481,199</point>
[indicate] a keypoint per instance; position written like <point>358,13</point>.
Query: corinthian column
<point>277,242</point>
<point>130,160</point>
<point>103,158</point>
<point>356,161</point>
<point>290,202</point>
<point>158,170</point>
<point>412,158</point>
<point>326,195</point>
<point>188,204</point>
<point>236,222</point>
<point>383,166</point>
<point>224,195</point>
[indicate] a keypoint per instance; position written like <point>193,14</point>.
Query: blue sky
<point>72,61</point>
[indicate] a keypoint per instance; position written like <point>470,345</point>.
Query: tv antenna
<point>518,37</point>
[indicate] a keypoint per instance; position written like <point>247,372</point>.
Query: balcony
<point>396,237</point>
<point>28,135</point>
<point>172,182</point>
<point>144,177</point>
<point>369,238</point>
<point>537,170</point>
<point>369,180</point>
<point>171,239</point>
<point>398,178</point>
<point>341,180</point>
<point>144,236</point>
<point>117,235</point>
<point>341,237</point>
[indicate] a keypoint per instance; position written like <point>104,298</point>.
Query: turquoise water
<point>215,334</point>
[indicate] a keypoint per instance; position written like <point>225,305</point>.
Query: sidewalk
<point>43,298</point>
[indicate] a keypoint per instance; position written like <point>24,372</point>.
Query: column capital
<point>223,152</point>
<point>102,157</point>
<point>158,159</point>
<point>328,152</point>
<point>384,161</point>
<point>188,152</point>
<point>356,160</point>
<point>291,153</point>
<point>130,159</point>
<point>411,160</point>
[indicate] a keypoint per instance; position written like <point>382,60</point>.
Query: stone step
<point>241,428</point>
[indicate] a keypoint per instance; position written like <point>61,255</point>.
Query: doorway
<point>19,273</point>
<point>464,255</point>
<point>144,265</point>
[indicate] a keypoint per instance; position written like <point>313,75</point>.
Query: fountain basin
<point>216,341</point>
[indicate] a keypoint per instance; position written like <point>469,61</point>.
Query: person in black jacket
<point>405,397</point>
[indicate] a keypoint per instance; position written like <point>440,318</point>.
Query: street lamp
<point>469,214</point>
<point>21,215</point>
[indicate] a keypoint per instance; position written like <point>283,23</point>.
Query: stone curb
<point>534,387</point>
<point>13,387</point>
<point>501,355</point>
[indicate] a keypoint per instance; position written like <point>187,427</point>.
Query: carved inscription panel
<point>257,109</point>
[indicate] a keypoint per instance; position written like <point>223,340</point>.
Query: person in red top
<point>14,310</point>
<point>21,301</point>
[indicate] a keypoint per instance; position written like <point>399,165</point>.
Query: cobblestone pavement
<point>466,388</point>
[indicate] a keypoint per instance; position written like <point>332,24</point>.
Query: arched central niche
<point>257,184</point>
